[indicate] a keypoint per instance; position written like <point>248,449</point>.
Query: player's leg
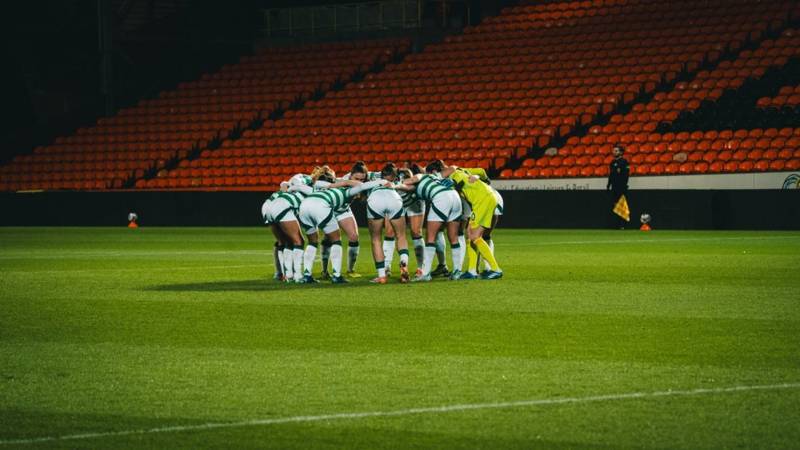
<point>487,236</point>
<point>441,255</point>
<point>293,255</point>
<point>432,228</point>
<point>389,241</point>
<point>332,233</point>
<point>277,252</point>
<point>347,223</point>
<point>482,219</point>
<point>456,250</point>
<point>415,223</point>
<point>311,212</point>
<point>399,226</point>
<point>325,256</point>
<point>375,230</point>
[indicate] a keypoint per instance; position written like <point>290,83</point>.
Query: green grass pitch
<point>178,338</point>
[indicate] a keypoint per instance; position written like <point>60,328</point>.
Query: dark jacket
<point>618,175</point>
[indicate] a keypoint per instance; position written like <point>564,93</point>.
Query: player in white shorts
<point>384,204</point>
<point>347,223</point>
<point>280,213</point>
<point>414,212</point>
<point>317,212</point>
<point>278,248</point>
<point>302,186</point>
<point>445,208</point>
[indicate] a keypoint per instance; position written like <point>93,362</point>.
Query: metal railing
<point>350,17</point>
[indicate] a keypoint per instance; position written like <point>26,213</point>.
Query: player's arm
<point>338,184</point>
<point>448,170</point>
<point>480,173</point>
<point>302,188</point>
<point>299,179</point>
<point>404,187</point>
<point>413,180</point>
<point>361,187</point>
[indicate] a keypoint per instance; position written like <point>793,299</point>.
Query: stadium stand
<point>711,151</point>
<point>542,90</point>
<point>157,132</point>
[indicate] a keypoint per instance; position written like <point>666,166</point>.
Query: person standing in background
<point>617,185</point>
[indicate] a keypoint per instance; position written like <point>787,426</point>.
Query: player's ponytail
<point>389,170</point>
<point>435,166</point>
<point>359,167</point>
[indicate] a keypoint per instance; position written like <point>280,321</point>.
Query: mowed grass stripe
<point>413,411</point>
<point>149,340</point>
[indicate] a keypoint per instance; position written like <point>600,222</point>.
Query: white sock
<point>277,256</point>
<point>388,252</point>
<point>297,261</point>
<point>440,248</point>
<point>457,252</point>
<point>308,259</point>
<point>491,247</point>
<point>419,250</point>
<point>430,251</point>
<point>381,268</point>
<point>325,255</point>
<point>287,262</point>
<point>404,257</point>
<point>352,255</point>
<point>336,259</point>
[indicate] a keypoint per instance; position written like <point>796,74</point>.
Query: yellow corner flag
<point>621,208</point>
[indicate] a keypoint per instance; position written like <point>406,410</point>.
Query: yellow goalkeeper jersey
<point>476,192</point>
<point>480,173</point>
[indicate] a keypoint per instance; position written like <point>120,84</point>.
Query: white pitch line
<point>406,412</point>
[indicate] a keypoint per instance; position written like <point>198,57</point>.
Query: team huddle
<point>445,199</point>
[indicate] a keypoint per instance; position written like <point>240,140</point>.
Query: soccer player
<point>487,234</point>
<point>303,186</point>
<point>277,250</point>
<point>498,212</point>
<point>483,203</point>
<point>317,212</point>
<point>435,168</point>
<point>347,222</point>
<point>414,212</point>
<point>385,204</point>
<point>281,213</point>
<point>445,208</point>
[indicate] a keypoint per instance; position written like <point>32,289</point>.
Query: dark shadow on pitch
<point>259,285</point>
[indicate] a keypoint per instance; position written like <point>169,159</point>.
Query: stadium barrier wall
<point>670,209</point>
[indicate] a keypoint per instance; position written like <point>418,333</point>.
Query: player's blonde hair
<point>324,172</point>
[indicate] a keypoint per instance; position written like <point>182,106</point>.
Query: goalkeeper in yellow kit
<point>483,201</point>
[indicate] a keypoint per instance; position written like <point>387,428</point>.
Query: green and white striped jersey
<point>301,179</point>
<point>409,197</point>
<point>336,197</point>
<point>293,198</point>
<point>341,197</point>
<point>429,187</point>
<point>371,176</point>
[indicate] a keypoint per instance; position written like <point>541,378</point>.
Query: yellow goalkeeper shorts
<point>483,212</point>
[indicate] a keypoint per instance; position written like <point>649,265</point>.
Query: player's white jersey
<point>429,187</point>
